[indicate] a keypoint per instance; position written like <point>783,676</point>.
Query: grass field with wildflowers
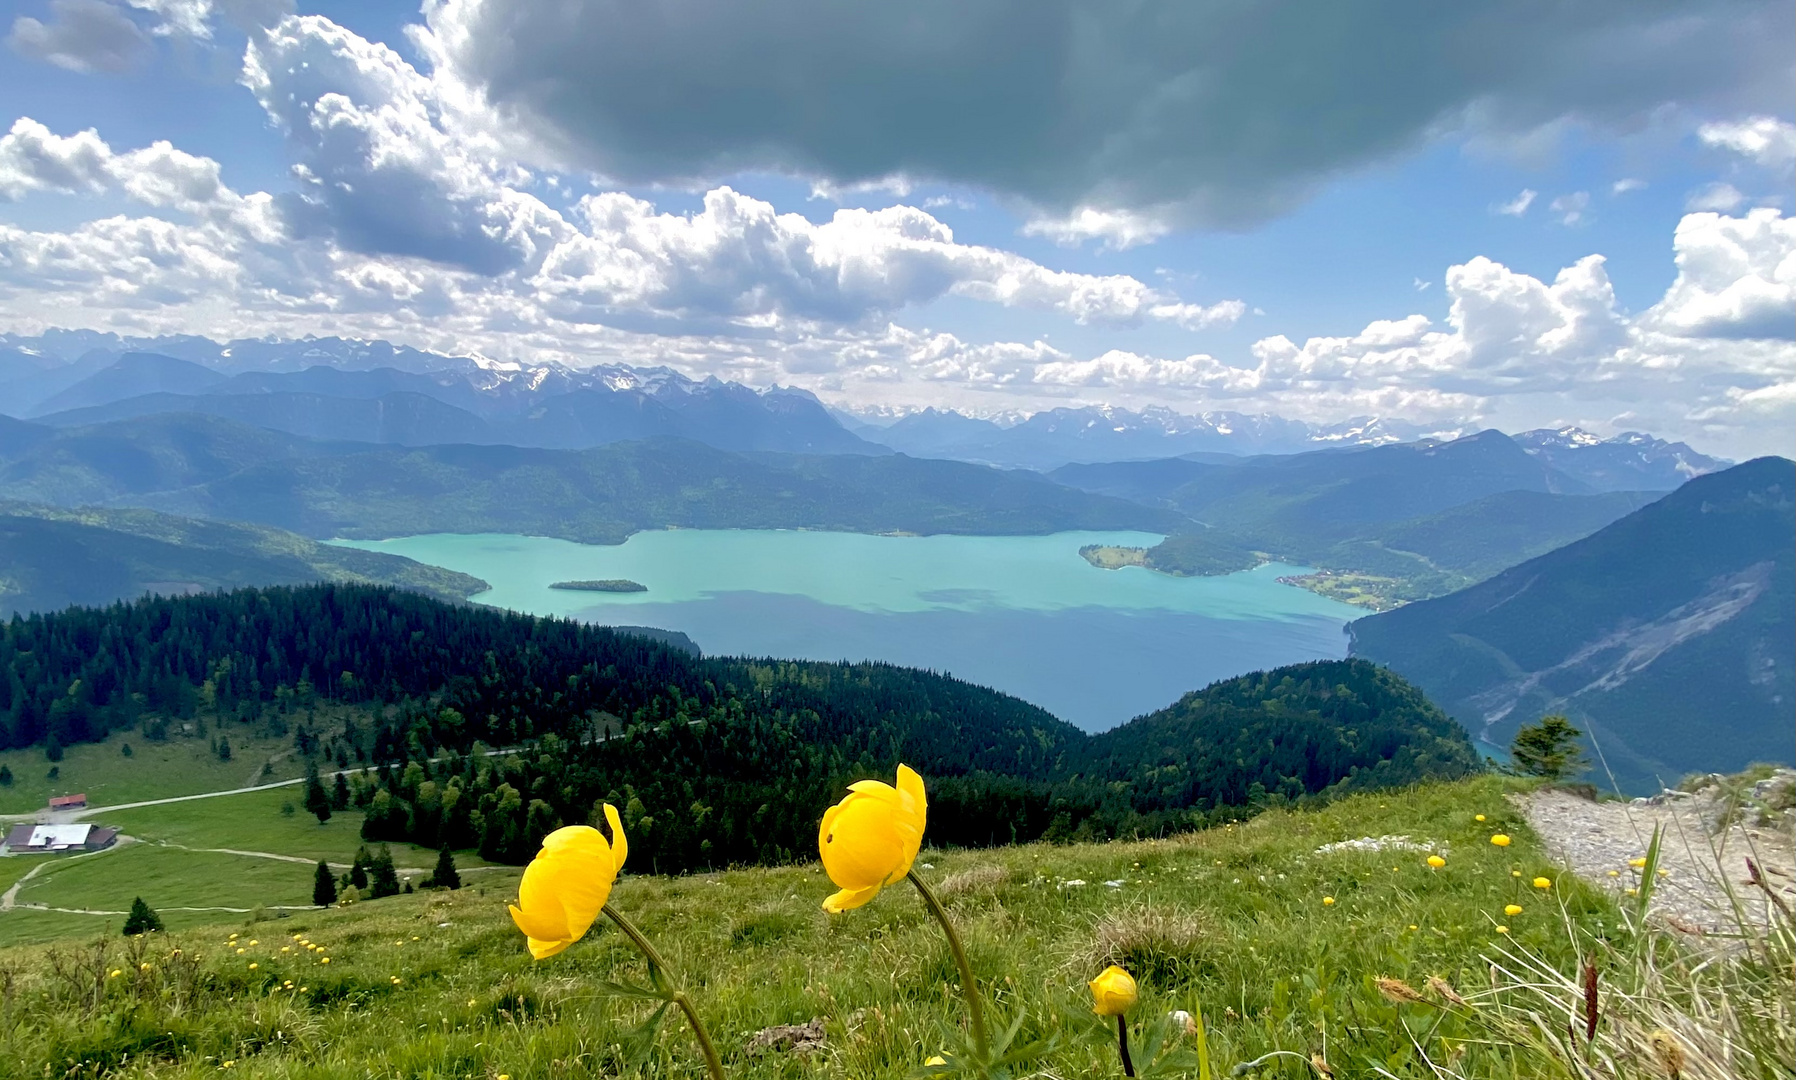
<point>1351,959</point>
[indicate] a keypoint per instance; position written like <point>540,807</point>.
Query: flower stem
<point>1122,1044</point>
<point>969,988</point>
<point>678,996</point>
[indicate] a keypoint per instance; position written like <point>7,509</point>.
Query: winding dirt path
<point>1706,885</point>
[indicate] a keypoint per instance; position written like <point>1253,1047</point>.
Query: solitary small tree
<point>324,886</point>
<point>383,877</point>
<point>318,801</point>
<point>340,793</point>
<point>224,749</point>
<point>445,876</point>
<point>142,919</point>
<point>358,869</point>
<point>1548,749</point>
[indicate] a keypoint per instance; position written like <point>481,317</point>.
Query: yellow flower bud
<point>1502,929</point>
<point>1113,992</point>
<point>567,883</point>
<point>1501,839</point>
<point>869,839</point>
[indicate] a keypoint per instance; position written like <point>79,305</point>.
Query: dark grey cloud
<point>82,35</point>
<point>1215,111</point>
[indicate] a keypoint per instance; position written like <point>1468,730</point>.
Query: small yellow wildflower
<point>1636,863</point>
<point>1515,873</point>
<point>114,974</point>
<point>145,966</point>
<point>1413,926</point>
<point>1512,909</point>
<point>1615,873</point>
<point>1477,817</point>
<point>1436,861</point>
<point>253,965</point>
<point>1501,839</point>
<point>1502,929</point>
<point>1543,883</point>
<point>324,959</point>
<point>253,943</point>
<point>240,952</point>
<point>934,1060</point>
<point>1328,901</point>
<point>1113,992</point>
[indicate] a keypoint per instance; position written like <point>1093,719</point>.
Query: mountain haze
<point>206,467</point>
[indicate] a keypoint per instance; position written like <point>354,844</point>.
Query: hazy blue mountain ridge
<point>208,467</point>
<point>1669,633</point>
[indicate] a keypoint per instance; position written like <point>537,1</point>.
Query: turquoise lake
<point>1024,614</point>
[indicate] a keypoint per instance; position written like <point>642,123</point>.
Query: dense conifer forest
<point>475,728</point>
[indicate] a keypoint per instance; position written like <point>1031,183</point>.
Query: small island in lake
<point>608,585</point>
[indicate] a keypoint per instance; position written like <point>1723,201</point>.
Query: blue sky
<point>1280,216</point>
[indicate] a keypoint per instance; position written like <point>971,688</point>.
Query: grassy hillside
<point>1668,633</point>
<point>1234,922</point>
<point>206,467</point>
<point>52,558</point>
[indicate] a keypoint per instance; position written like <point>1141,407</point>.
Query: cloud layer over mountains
<point>421,210</point>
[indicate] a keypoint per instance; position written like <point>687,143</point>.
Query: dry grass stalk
<point>986,877</point>
<point>1397,991</point>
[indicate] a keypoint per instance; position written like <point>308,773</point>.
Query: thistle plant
<point>567,887</point>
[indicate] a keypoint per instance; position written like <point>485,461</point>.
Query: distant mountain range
<point>1669,634</point>
<point>212,468</point>
<point>333,388</point>
<point>1389,523</point>
<point>52,558</point>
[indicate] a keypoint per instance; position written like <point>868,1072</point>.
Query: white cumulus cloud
<point>1763,140</point>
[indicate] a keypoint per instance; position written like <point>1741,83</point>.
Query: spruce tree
<point>358,870</point>
<point>318,801</point>
<point>445,876</point>
<point>324,886</point>
<point>340,792</point>
<point>383,877</point>
<point>1548,749</point>
<point>142,919</point>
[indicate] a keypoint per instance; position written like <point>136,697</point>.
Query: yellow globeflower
<point>1512,909</point>
<point>1477,817</point>
<point>567,883</point>
<point>1542,883</point>
<point>1436,861</point>
<point>869,839</point>
<point>1501,839</point>
<point>1328,901</point>
<point>1113,992</point>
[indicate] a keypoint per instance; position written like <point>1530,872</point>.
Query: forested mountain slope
<point>1669,634</point>
<point>714,760</point>
<point>52,558</point>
